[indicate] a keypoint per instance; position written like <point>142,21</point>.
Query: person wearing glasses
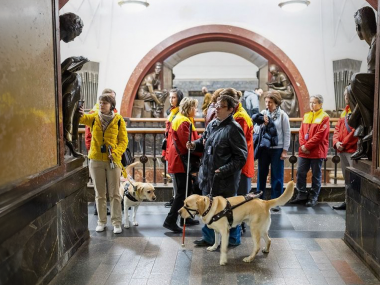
<point>224,154</point>
<point>314,143</point>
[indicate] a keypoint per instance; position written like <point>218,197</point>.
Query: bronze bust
<point>362,88</point>
<point>150,91</point>
<point>280,82</point>
<point>70,27</point>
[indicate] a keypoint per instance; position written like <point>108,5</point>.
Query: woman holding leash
<point>109,141</point>
<point>176,157</point>
<point>175,98</point>
<point>275,155</point>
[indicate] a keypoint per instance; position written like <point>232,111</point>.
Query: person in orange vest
<point>314,143</point>
<point>344,142</point>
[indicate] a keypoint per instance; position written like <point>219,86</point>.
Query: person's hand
<point>305,150</point>
<point>190,145</point>
<point>81,111</point>
<point>283,154</point>
<point>339,146</point>
<point>266,120</point>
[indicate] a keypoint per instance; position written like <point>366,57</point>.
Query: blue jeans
<point>208,235</point>
<point>271,157</point>
<point>304,164</point>
<point>244,185</point>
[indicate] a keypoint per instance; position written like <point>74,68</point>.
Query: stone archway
<point>209,33</point>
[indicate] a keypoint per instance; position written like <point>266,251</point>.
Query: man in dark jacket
<point>224,154</point>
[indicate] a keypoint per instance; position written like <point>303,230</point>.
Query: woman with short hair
<point>273,117</point>
<point>109,134</point>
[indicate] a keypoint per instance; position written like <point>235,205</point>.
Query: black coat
<point>266,138</point>
<point>225,149</point>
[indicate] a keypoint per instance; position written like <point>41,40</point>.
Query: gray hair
<point>318,97</point>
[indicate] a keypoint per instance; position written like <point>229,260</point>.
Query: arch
<point>208,33</point>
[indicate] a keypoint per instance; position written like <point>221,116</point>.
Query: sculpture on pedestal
<point>280,82</point>
<point>71,26</point>
<point>362,88</point>
<point>150,91</point>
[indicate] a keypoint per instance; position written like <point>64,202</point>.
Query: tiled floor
<point>307,248</point>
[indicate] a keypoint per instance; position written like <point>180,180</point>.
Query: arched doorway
<point>208,33</point>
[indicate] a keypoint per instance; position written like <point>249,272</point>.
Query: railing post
<point>154,159</point>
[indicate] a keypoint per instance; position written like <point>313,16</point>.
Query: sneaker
<point>117,229</point>
<point>100,228</point>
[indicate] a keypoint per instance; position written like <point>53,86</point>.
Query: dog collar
<point>209,207</point>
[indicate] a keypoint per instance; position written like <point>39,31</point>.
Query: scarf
<point>275,114</point>
<point>105,119</point>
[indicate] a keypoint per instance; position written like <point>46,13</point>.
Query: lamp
<point>294,5</point>
<point>133,5</point>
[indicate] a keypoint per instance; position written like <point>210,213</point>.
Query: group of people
<point>222,159</point>
<point>234,137</point>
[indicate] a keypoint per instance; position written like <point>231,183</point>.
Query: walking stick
<point>187,184</point>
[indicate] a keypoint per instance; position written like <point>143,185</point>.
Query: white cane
<point>187,184</point>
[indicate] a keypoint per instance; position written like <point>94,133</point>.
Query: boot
<point>360,152</point>
<point>340,207</point>
<point>170,203</point>
<point>300,198</point>
<point>312,202</point>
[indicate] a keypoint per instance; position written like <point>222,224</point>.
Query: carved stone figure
<point>281,83</point>
<point>150,91</point>
<point>70,27</point>
<point>362,88</point>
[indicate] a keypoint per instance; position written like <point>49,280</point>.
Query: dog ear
<point>201,202</point>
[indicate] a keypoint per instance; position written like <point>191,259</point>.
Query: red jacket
<point>341,134</point>
<point>169,131</point>
<point>317,126</point>
<point>87,130</point>
<point>241,116</point>
<point>180,134</point>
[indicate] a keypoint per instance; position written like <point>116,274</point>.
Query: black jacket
<point>266,138</point>
<point>225,148</point>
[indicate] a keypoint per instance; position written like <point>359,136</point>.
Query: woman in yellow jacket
<point>109,135</point>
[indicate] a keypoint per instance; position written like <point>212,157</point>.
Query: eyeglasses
<point>218,106</point>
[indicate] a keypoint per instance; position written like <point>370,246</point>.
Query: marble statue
<point>150,91</point>
<point>70,27</point>
<point>362,87</point>
<point>280,82</point>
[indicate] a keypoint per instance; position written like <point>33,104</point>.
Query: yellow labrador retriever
<point>136,193</point>
<point>254,212</point>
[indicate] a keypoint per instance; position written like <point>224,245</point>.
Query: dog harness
<point>127,194</point>
<point>227,211</point>
<point>196,211</point>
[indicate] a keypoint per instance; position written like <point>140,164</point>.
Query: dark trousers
<point>180,196</point>
<point>304,164</point>
<point>271,157</point>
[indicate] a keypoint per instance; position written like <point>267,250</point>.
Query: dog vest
<point>127,194</point>
<point>227,211</point>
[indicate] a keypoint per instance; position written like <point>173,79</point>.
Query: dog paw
<point>247,259</point>
<point>212,248</point>
<point>135,223</point>
<point>223,262</point>
<point>126,225</point>
<point>265,250</point>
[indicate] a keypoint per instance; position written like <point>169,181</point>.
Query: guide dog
<point>135,193</point>
<point>256,213</point>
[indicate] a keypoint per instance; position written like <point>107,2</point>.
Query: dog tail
<point>130,167</point>
<point>285,197</point>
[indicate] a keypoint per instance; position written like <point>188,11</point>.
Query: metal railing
<point>145,145</point>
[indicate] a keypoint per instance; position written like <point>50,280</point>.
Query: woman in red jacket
<point>344,142</point>
<point>180,135</point>
<point>314,143</point>
<point>175,98</point>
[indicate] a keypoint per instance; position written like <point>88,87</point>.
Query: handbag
<point>164,143</point>
<point>126,158</point>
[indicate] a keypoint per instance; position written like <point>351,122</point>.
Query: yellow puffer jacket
<point>114,136</point>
